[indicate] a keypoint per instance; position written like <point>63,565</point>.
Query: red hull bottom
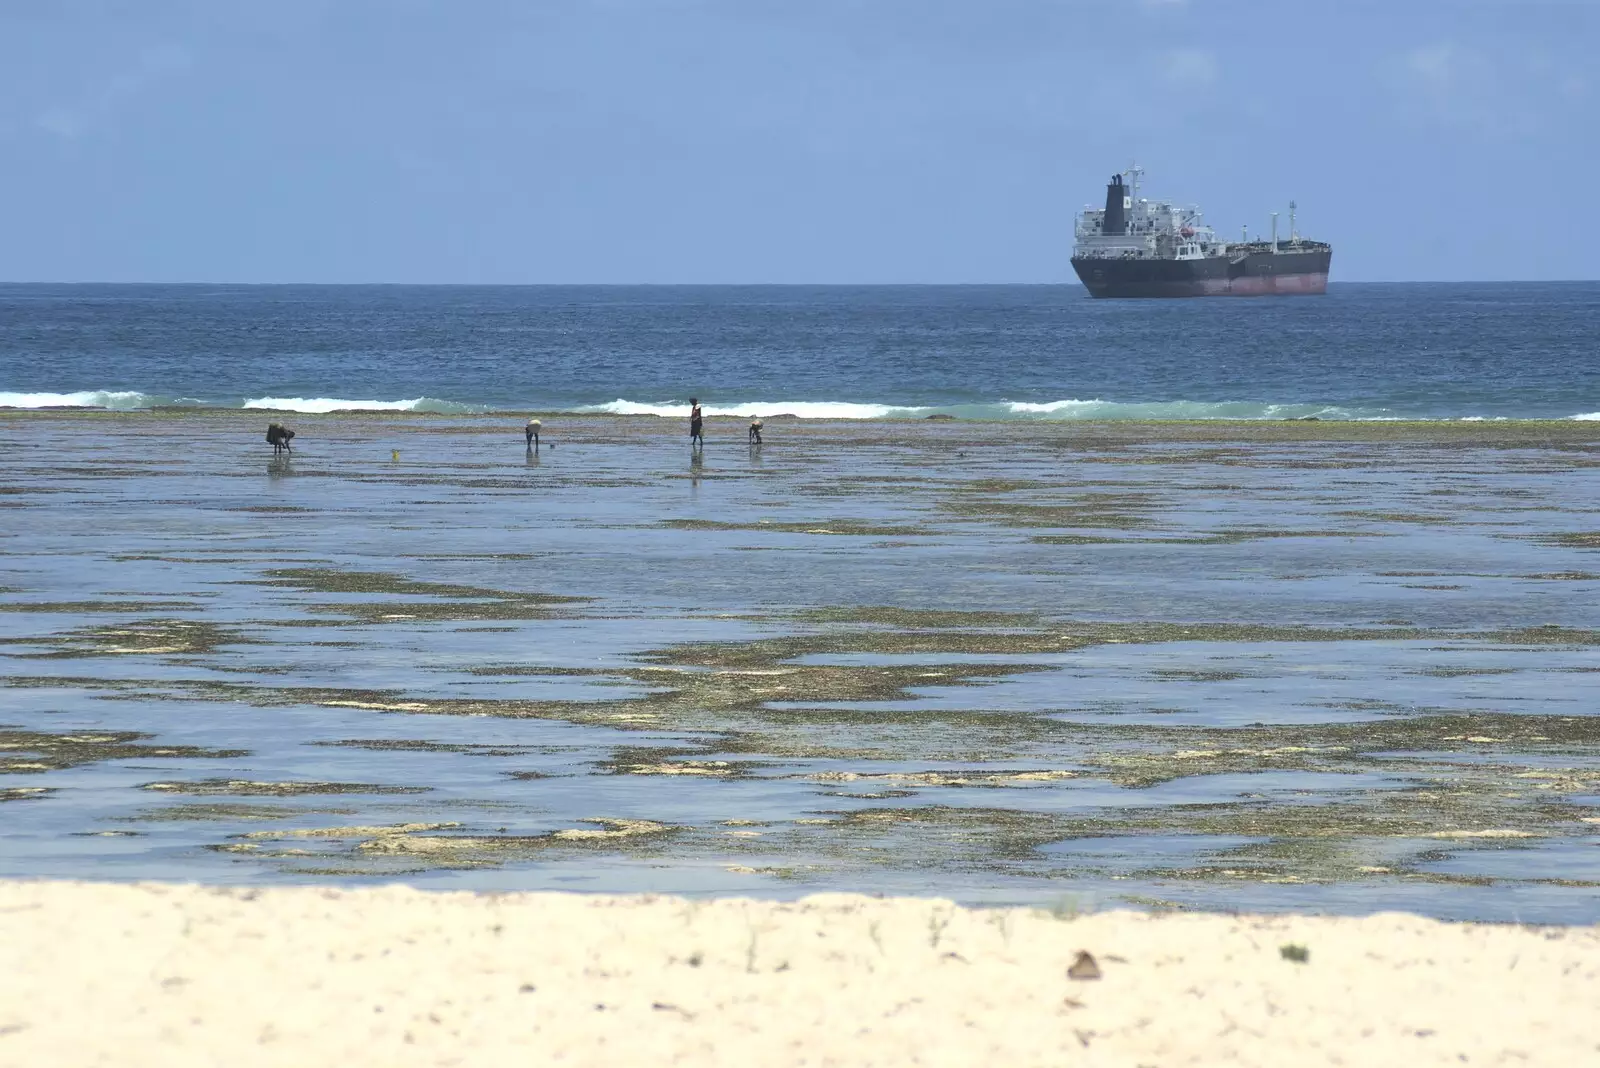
<point>1245,286</point>
<point>1264,285</point>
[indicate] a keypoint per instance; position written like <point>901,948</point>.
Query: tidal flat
<point>1264,666</point>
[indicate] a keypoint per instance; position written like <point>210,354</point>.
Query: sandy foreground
<point>183,975</point>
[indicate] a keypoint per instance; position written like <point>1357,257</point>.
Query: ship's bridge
<point>1139,228</point>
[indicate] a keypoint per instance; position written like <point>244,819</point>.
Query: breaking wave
<point>323,405</point>
<point>132,400</point>
<point>799,409</point>
<point>1063,410</point>
<point>1054,410</point>
<point>1182,409</point>
<point>116,399</point>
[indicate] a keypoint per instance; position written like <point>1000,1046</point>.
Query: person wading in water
<point>695,437</point>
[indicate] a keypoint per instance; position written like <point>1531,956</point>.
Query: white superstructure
<point>1151,229</point>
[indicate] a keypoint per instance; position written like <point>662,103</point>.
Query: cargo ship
<point>1134,247</point>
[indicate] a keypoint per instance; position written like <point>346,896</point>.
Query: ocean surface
<point>1365,351</point>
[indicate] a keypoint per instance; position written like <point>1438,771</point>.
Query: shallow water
<point>1286,666</point>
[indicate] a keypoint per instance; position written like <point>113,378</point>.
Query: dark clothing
<point>694,423</point>
<point>278,437</point>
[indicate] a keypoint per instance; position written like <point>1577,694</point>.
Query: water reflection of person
<point>695,424</point>
<point>695,463</point>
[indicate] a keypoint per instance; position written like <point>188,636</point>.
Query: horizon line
<point>748,285</point>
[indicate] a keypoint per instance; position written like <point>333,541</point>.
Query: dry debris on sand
<point>177,975</point>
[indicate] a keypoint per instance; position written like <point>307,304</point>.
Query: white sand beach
<point>172,975</point>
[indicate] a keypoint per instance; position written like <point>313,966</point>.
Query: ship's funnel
<point>1116,220</point>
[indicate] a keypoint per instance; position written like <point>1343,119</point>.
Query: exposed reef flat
<point>1272,666</point>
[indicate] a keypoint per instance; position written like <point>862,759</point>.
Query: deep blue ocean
<point>1364,351</point>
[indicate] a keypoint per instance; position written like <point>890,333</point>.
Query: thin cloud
<point>1190,66</point>
<point>1439,66</point>
<point>70,121</point>
<point>1493,93</point>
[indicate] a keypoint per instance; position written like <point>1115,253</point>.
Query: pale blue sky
<point>803,141</point>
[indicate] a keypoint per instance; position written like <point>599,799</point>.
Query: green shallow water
<point>1270,666</point>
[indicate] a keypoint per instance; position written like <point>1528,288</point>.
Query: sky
<point>757,141</point>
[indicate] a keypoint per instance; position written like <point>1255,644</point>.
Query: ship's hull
<point>1251,275</point>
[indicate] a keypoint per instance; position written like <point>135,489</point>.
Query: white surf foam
<point>88,398</point>
<point>321,405</point>
<point>756,409</point>
<point>1069,408</point>
<point>1073,408</point>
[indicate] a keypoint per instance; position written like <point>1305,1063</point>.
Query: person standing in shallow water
<point>695,423</point>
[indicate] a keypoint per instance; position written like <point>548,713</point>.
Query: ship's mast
<point>1294,235</point>
<point>1134,172</point>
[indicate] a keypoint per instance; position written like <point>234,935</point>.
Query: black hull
<point>1252,274</point>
